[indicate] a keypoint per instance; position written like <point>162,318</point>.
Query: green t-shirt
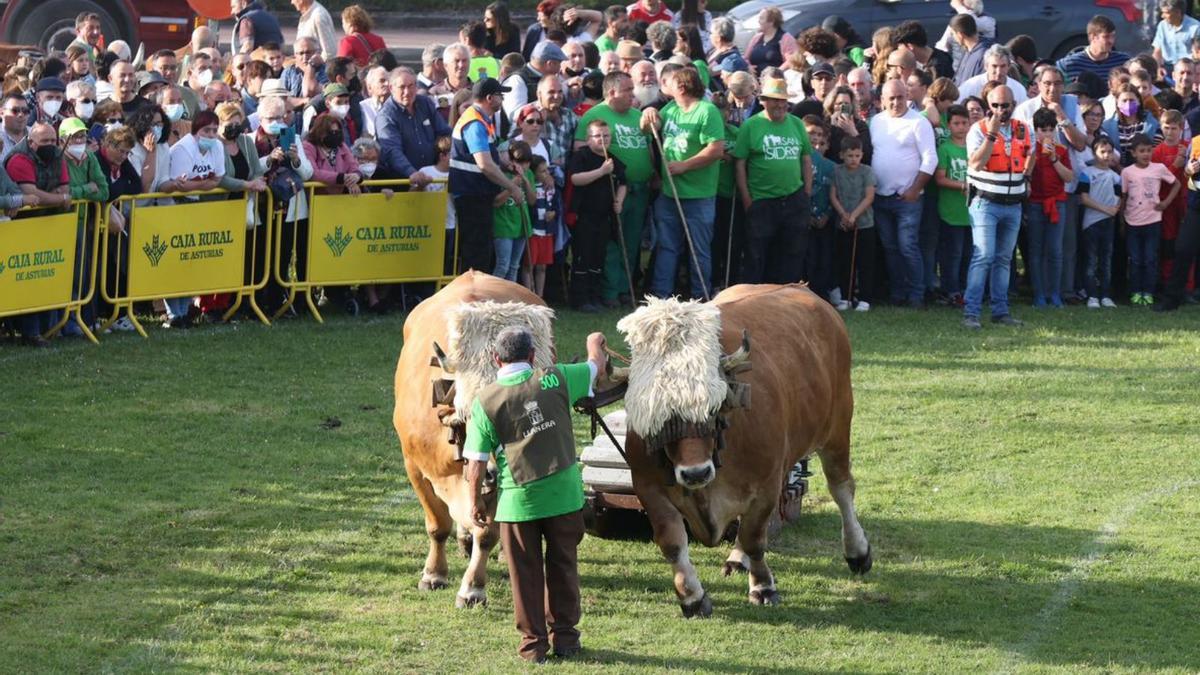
<point>605,43</point>
<point>684,135</point>
<point>509,220</point>
<point>554,495</point>
<point>702,68</point>
<point>629,143</point>
<point>488,64</point>
<point>774,154</point>
<point>952,204</point>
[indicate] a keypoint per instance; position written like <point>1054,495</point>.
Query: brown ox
<point>801,403</point>
<point>430,458</point>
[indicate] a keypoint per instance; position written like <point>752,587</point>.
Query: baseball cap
<point>821,68</point>
<point>71,126</point>
<point>334,89</point>
<point>548,51</point>
<point>488,86</point>
<point>51,84</point>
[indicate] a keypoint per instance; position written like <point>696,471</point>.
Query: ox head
<point>679,385</point>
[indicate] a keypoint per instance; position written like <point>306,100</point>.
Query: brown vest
<point>533,422</point>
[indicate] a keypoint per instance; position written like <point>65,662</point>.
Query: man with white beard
<point>646,93</point>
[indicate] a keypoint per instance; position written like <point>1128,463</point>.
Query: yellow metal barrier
<point>371,238</point>
<point>39,268</point>
<point>185,249</point>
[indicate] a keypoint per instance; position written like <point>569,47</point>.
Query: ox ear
<point>441,360</point>
<point>739,361</point>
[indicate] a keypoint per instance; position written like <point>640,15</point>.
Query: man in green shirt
<point>524,420</point>
<point>693,142</point>
<point>774,177</point>
<point>630,145</point>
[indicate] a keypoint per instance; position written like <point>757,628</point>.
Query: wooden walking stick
<point>853,255</point>
<point>612,185</point>
<point>729,242</point>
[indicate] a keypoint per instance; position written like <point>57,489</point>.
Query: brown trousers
<point>544,587</point>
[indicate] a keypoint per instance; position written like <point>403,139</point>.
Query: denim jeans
<point>994,229</point>
<point>929,235</point>
<point>1142,242</point>
<point>178,307</point>
<point>1045,251</point>
<point>508,258</point>
<point>672,244</point>
<point>954,245</point>
<point>1098,248</point>
<point>899,225</point>
<point>1072,248</point>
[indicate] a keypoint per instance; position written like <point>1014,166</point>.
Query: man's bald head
<point>1002,97</point>
<point>42,134</point>
<point>894,97</point>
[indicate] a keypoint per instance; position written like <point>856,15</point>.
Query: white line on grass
<point>1080,570</point>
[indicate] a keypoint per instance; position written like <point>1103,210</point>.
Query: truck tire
<point>52,24</point>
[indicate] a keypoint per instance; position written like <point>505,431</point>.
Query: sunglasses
<point>18,111</point>
<point>1001,106</point>
<point>533,121</point>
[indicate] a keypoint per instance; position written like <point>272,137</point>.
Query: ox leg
<point>752,539</point>
<point>736,562</point>
<point>473,590</point>
<point>671,538</point>
<point>438,525</point>
<point>835,462</point>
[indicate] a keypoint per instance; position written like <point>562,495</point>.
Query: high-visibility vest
<point>466,178</point>
<point>1003,179</point>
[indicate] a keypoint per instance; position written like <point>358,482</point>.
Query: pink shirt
<point>1141,188</point>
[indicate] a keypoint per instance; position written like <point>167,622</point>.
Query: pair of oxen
<point>687,360</point>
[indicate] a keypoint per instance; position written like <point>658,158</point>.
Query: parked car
<point>1058,26</point>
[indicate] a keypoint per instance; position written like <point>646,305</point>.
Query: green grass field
<point>176,504</point>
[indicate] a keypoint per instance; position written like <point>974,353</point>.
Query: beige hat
<point>273,87</point>
<point>774,88</point>
<point>628,49</point>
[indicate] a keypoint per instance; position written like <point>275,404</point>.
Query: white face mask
<point>204,77</point>
<point>77,150</point>
<point>84,111</point>
<point>174,111</point>
<point>367,169</point>
<point>51,108</point>
<point>340,111</point>
<point>113,125</point>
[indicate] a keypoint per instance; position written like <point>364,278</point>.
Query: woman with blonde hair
<point>359,42</point>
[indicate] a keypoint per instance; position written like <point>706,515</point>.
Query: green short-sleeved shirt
<point>952,204</point>
<point>774,154</point>
<point>605,43</point>
<point>509,220</point>
<point>629,143</point>
<point>684,135</point>
<point>554,495</point>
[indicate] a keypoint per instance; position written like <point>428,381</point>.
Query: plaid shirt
<point>560,135</point>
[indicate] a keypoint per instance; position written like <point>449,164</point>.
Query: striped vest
<point>466,178</point>
<point>1003,179</point>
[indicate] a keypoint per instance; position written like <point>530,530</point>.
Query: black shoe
<point>589,309</point>
<point>35,341</point>
<point>1007,320</point>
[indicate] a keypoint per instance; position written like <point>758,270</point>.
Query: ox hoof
<point>861,564</point>
<point>431,584</point>
<point>764,596</point>
<point>470,600</point>
<point>701,608</point>
<point>732,566</point>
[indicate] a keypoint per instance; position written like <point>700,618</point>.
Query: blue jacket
<point>407,142</point>
<point>1109,128</point>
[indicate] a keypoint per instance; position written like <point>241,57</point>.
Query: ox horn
<point>732,361</point>
<point>441,360</point>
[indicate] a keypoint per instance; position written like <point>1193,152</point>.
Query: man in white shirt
<point>905,157</point>
<point>316,23</point>
<point>996,63</point>
<point>378,90</point>
<point>1065,106</point>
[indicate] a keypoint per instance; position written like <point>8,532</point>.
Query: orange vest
<point>1014,161</point>
<point>1002,180</point>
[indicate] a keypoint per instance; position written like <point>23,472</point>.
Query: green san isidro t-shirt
<point>507,219</point>
<point>554,495</point>
<point>952,204</point>
<point>774,153</point>
<point>684,135</point>
<point>629,143</point>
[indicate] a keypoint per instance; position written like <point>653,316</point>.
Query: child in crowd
<point>821,274</point>
<point>510,228</point>
<point>1045,213</point>
<point>437,171</point>
<point>541,244</point>
<point>955,224</point>
<point>852,193</point>
<point>598,192</point>
<point>1143,207</point>
<point>1171,153</point>
<point>1101,204</point>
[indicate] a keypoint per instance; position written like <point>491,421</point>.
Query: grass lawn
<point>176,503</point>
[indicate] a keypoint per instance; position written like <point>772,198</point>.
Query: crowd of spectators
<point>891,170</point>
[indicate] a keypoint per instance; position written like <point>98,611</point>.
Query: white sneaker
<point>1093,303</point>
<point>863,306</point>
<point>1107,302</point>
<point>123,325</point>
<point>842,305</point>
